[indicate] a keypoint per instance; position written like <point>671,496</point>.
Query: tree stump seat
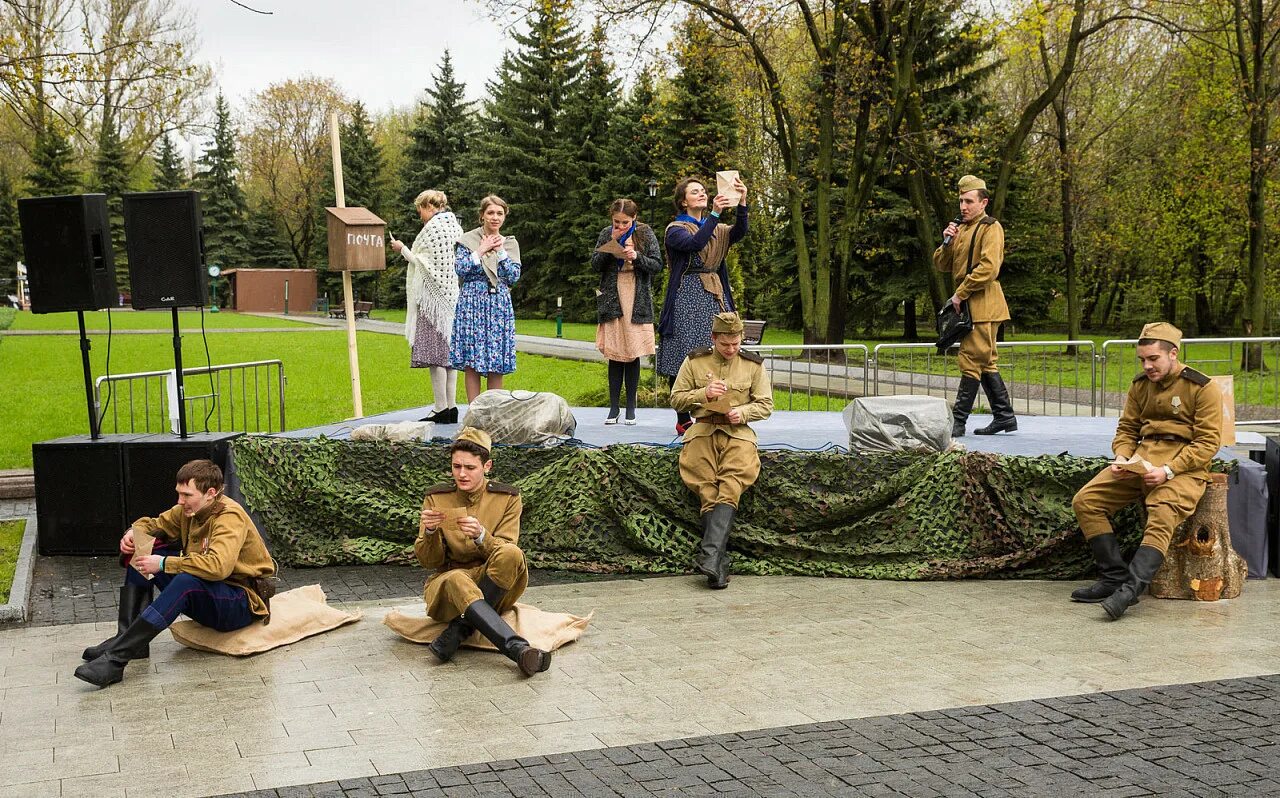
<point>1201,564</point>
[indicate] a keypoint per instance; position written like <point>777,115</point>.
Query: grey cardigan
<point>648,262</point>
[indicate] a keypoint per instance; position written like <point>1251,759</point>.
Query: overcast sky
<point>379,51</point>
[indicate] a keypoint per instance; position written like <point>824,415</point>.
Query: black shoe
<point>450,640</point>
<point>447,416</point>
<point>963,405</point>
<point>109,668</point>
<point>1003,419</point>
<point>713,559</point>
<point>487,621</point>
<point>133,600</point>
<point>1112,570</point>
<point>1142,569</point>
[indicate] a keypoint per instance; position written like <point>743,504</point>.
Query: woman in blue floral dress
<point>484,324</point>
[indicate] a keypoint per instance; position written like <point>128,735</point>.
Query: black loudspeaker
<point>164,236</point>
<point>66,242</point>
<point>151,464</point>
<point>1272,461</point>
<point>80,497</point>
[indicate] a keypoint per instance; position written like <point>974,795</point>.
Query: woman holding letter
<point>467,534</point>
<point>484,326</point>
<point>627,256</point>
<point>699,286</point>
<point>431,288</point>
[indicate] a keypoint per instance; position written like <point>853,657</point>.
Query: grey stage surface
<point>815,430</point>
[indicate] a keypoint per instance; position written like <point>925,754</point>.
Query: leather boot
<point>133,600</point>
<point>450,640</point>
<point>109,668</point>
<point>1003,419</point>
<point>963,405</point>
<point>1112,569</point>
<point>447,416</point>
<point>713,559</point>
<point>1142,568</point>
<point>486,619</point>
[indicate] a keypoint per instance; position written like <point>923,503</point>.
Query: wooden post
<point>339,193</point>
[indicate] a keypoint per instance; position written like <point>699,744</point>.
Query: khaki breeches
<point>1168,505</point>
<point>978,349</point>
<point>719,468</point>
<point>450,592</point>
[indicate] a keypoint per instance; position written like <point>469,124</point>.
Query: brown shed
<point>263,290</point>
<point>357,240</point>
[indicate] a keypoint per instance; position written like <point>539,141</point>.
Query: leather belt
<point>714,418</point>
<point>1164,436</point>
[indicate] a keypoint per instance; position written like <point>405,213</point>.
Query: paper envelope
<point>612,247</point>
<point>724,185</point>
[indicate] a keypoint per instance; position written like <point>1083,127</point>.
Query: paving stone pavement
<point>1185,741</point>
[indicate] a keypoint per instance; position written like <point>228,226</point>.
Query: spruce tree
<point>222,199</point>
<point>169,174</point>
<point>636,134</point>
<point>111,177</point>
<point>10,235</point>
<point>588,166</point>
<point>363,186</point>
<point>438,145</point>
<point>700,135</point>
<point>53,164</point>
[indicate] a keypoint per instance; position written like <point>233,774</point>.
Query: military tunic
<point>461,562</point>
<point>974,258</point>
<point>1175,422</point>
<point>719,460</point>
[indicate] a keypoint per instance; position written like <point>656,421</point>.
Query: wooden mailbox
<point>357,240</point>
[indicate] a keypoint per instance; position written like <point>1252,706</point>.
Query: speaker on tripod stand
<point>165,240</point>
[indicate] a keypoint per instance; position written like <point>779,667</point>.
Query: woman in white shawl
<point>431,286</point>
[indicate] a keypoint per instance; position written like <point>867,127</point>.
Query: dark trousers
<point>217,605</point>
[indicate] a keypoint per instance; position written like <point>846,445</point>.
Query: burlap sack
<point>545,630</point>
<point>295,614</point>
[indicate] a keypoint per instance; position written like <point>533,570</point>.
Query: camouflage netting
<point>624,509</point>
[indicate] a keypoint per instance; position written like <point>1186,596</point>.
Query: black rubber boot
<point>133,600</point>
<point>450,640</point>
<point>713,558</point>
<point>964,405</point>
<point>486,619</point>
<point>109,668</point>
<point>1142,568</point>
<point>1003,419</point>
<point>1112,570</point>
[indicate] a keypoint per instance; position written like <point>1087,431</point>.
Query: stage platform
<point>816,431</point>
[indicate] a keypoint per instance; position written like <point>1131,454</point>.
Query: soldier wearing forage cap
<point>1172,419</point>
<point>719,460</point>
<point>974,258</point>
<point>468,534</point>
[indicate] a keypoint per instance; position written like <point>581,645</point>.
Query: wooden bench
<point>753,331</point>
<point>361,310</point>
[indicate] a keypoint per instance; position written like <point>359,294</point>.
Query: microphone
<point>946,240</point>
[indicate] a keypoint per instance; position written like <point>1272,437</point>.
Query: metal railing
<point>241,397</point>
<point>1256,391</point>
<point>1040,374</point>
<point>812,375</point>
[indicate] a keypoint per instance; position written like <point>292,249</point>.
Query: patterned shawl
<point>431,284</point>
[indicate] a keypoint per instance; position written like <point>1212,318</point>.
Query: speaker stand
<point>177,375</point>
<point>94,432</point>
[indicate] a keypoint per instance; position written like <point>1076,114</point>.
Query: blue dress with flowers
<point>484,324</point>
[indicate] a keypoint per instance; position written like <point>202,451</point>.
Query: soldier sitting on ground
<point>719,460</point>
<point>209,562</point>
<point>468,533</point>
<point>1173,420</point>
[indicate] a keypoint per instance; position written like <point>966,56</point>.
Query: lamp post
<point>652,185</point>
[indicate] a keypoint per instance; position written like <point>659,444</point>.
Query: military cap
<point>970,183</point>
<point>1162,331</point>
<point>477,436</point>
<point>727,323</point>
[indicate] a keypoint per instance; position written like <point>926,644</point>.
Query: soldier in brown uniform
<point>209,562</point>
<point>719,460</point>
<point>974,257</point>
<point>1172,419</point>
<point>468,534</point>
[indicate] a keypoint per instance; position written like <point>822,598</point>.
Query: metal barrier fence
<point>1256,391</point>
<point>808,377</point>
<point>242,397</point>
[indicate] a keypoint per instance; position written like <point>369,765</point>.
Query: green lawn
<point>10,543</point>
<point>315,364</point>
<point>126,319</point>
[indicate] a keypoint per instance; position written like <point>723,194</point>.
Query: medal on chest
<point>1176,402</point>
